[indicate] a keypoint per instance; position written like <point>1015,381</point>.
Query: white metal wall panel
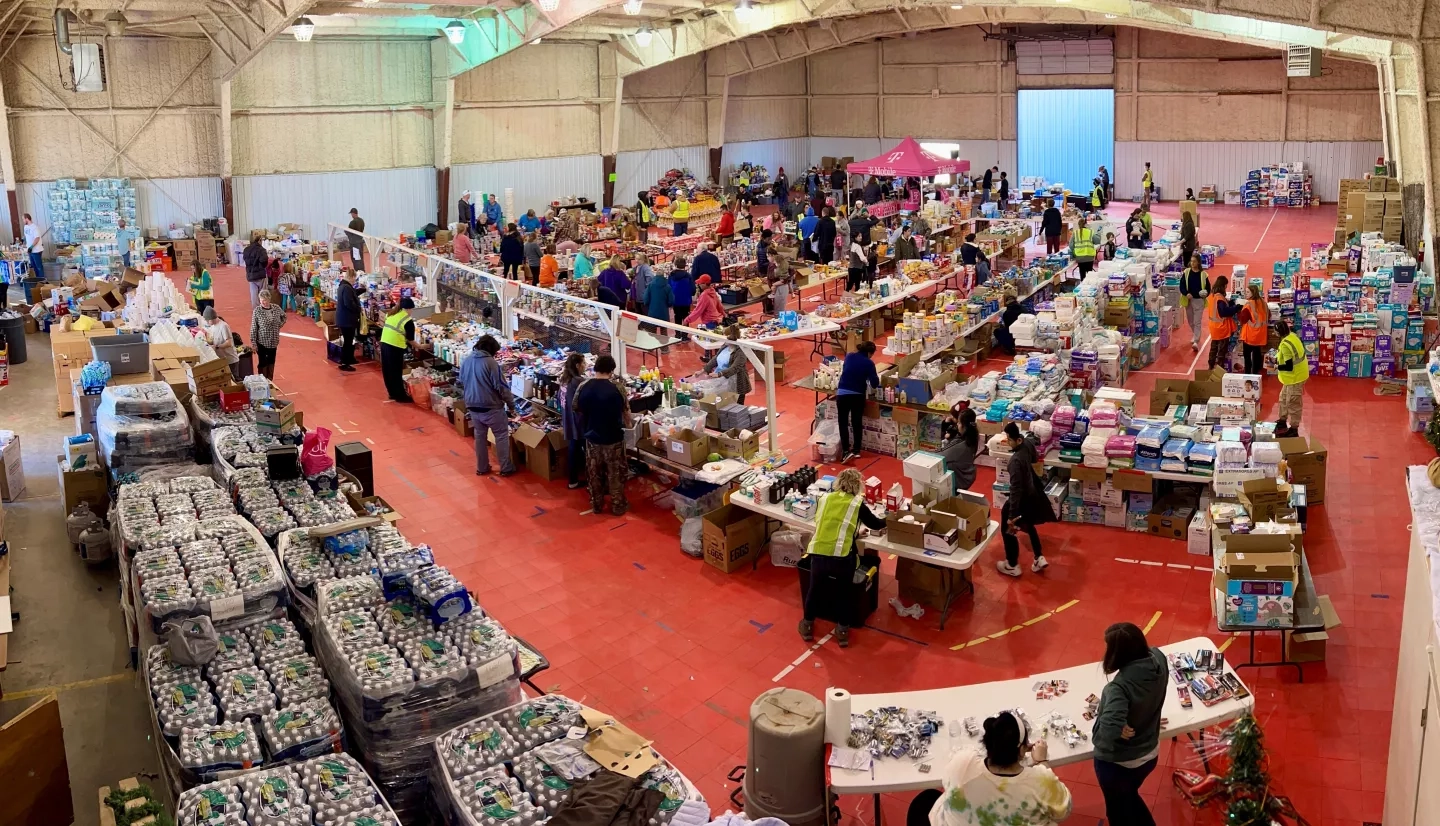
<point>791,153</point>
<point>857,148</point>
<point>536,182</point>
<point>34,198</point>
<point>177,201</point>
<point>390,200</point>
<point>637,170</point>
<point>1193,164</point>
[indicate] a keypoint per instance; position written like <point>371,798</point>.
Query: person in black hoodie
<point>1054,226</point>
<point>512,252</point>
<point>1025,507</point>
<point>825,231</point>
<point>1126,733</point>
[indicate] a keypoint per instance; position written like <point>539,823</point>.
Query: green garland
<point>117,799</point>
<point>1432,432</point>
<point>1247,781</point>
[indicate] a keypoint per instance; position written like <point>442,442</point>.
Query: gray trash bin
<point>785,760</point>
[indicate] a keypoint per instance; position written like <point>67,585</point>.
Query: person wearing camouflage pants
<point>606,467</point>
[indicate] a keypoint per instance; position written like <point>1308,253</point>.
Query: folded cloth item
<point>1176,448</point>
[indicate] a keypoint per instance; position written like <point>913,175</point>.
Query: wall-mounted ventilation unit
<point>1303,61</point>
<point>87,67</point>
<point>1065,57</point>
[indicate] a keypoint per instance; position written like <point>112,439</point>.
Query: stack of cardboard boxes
<point>1306,461</point>
<point>1369,205</point>
<point>1419,399</point>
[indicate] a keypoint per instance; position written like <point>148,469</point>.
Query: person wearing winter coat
<point>657,298</point>
<point>466,213</point>
<point>1126,732</point>
<point>257,262</point>
<point>640,278</point>
<point>905,247</point>
<point>825,232</point>
<point>708,311</point>
<point>512,252</point>
<point>706,263</point>
<point>347,318</point>
<point>614,279</point>
<point>493,216</point>
<point>1026,506</point>
<point>729,361</point>
<point>682,289</point>
<point>533,254</point>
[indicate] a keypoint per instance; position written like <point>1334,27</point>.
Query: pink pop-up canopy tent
<point>909,160</point>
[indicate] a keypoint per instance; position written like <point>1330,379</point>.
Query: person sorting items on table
<point>991,785</point>
<point>1126,732</point>
<point>832,552</point>
<point>487,398</point>
<point>962,445</point>
<point>857,375</point>
<point>1220,314</point>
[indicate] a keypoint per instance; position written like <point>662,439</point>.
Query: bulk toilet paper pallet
<point>986,699</point>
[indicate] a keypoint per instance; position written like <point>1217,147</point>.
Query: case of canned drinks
<point>332,790</point>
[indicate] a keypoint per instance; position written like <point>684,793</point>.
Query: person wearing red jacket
<point>707,312</point>
<point>726,231</point>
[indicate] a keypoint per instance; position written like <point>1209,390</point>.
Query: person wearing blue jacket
<point>807,233</point>
<point>493,215</point>
<point>512,252</point>
<point>487,397</point>
<point>682,289</point>
<point>528,222</point>
<point>706,263</point>
<point>856,376</point>
<point>657,298</point>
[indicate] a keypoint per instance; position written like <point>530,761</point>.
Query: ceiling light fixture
<point>549,5</point>
<point>536,41</point>
<point>304,29</point>
<point>1111,16</point>
<point>455,32</point>
<point>632,7</point>
<point>743,8</point>
<point>642,37</point>
<point>957,8</point>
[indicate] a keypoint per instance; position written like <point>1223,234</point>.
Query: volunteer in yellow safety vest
<point>395,338</point>
<point>1194,289</point>
<point>1255,330</point>
<point>833,557</point>
<point>1220,314</point>
<point>644,215</point>
<point>1292,365</point>
<point>1097,197</point>
<point>1147,185</point>
<point>680,213</point>
<point>1082,247</point>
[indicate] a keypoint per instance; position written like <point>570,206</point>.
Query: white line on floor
<point>302,338</point>
<point>587,513</point>
<point>1173,565</point>
<point>368,439</point>
<point>1266,232</point>
<point>803,657</point>
<point>1151,564</point>
<point>1131,561</point>
<point>786,670</point>
<point>1202,349</point>
<point>1199,568</point>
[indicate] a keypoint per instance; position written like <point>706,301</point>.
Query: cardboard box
<point>277,414</point>
<point>1256,581</point>
<point>12,472</point>
<point>209,378</point>
<point>463,426</point>
<point>1170,518</point>
<point>688,448</point>
<point>926,584</point>
<point>908,533</point>
<point>1205,385</point>
<point>968,520</point>
<point>1198,538</point>
<point>711,405</point>
<point>76,486</point>
<point>1309,646</point>
<point>1306,461</point>
<point>731,444</point>
<point>1082,473</point>
<point>545,453</point>
<point>1137,481</point>
<point>1167,392</point>
<point>1266,499</point>
<point>732,536</point>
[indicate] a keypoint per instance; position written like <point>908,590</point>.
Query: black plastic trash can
<point>12,329</point>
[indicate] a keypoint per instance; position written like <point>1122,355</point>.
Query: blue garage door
<point>1065,135</point>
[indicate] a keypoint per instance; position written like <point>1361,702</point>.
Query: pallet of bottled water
<point>332,790</point>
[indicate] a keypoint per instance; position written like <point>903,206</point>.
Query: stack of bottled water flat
<point>332,790</point>
<point>518,766</point>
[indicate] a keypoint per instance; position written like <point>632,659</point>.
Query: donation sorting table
<point>982,700</point>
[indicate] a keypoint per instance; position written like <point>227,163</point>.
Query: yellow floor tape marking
<point>56,689</point>
<point>1013,628</point>
<point>1224,645</point>
<point>1151,623</point>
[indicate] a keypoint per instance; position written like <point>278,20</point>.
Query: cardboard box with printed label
<point>12,472</point>
<point>905,527</point>
<point>1170,518</point>
<point>88,485</point>
<point>957,523</point>
<point>732,445</point>
<point>1266,499</point>
<point>1306,461</point>
<point>686,447</point>
<point>711,405</point>
<point>1255,581</point>
<point>732,536</point>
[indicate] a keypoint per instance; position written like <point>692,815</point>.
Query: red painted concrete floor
<point>678,649</point>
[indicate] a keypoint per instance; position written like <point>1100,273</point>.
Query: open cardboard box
<point>1266,499</point>
<point>1256,580</point>
<point>732,536</point>
<point>1167,392</point>
<point>1306,460</point>
<point>1309,646</point>
<point>901,532</point>
<point>956,523</point>
<point>545,453</point>
<point>688,448</point>
<point>732,445</point>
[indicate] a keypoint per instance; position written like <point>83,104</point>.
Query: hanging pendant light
<point>455,32</point>
<point>642,37</point>
<point>304,29</point>
<point>743,9</point>
<point>632,7</point>
<point>549,5</point>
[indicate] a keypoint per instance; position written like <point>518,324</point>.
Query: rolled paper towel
<point>837,716</point>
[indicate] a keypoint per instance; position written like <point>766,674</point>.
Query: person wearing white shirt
<point>220,337</point>
<point>35,247</point>
<point>992,785</point>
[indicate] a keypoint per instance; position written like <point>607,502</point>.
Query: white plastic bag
<point>786,548</point>
<point>691,537</point>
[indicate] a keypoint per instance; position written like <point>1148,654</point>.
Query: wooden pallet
<point>107,815</point>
